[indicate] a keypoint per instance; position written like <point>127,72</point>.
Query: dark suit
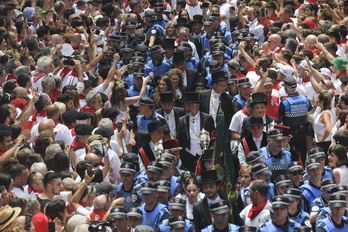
<point>149,153</point>
<point>226,104</point>
<point>201,214</point>
<point>178,112</point>
<point>251,143</point>
<point>183,135</point>
<point>246,124</point>
<point>191,77</point>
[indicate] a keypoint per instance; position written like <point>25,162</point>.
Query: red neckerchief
<point>305,80</point>
<point>97,214</point>
<point>273,17</point>
<point>343,41</point>
<point>30,190</point>
<point>75,48</point>
<point>42,113</point>
<point>37,76</point>
<point>240,75</point>
<point>276,85</point>
<point>316,51</point>
<point>56,123</point>
<point>188,3</point>
<point>244,111</point>
<point>82,96</point>
<point>56,94</point>
<point>249,69</point>
<point>220,3</point>
<point>77,144</point>
<point>342,74</point>
<point>11,77</point>
<point>177,40</point>
<point>64,72</point>
<point>73,133</point>
<point>17,186</point>
<point>88,109</point>
<point>263,23</point>
<point>255,210</point>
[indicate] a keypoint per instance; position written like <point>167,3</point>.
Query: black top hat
<point>202,82</point>
<point>166,97</point>
<point>197,19</point>
<point>340,189</point>
<point>69,116</point>
<point>154,126</point>
<point>163,186</point>
<point>209,176</point>
<point>312,163</point>
<point>84,129</point>
<point>181,22</point>
<point>148,187</point>
<point>293,194</point>
<point>260,169</point>
<point>135,212</point>
<point>244,82</point>
<point>118,212</point>
<point>177,203</point>
<point>176,222</point>
<point>219,207</point>
<point>247,229</point>
<point>207,155</point>
<point>144,101</point>
<point>295,166</point>
<point>191,97</point>
<point>328,184</point>
<point>111,113</point>
<point>258,98</point>
<point>255,157</point>
<point>302,229</point>
<point>256,121</point>
<point>218,76</point>
<point>280,202</point>
<point>178,57</point>
<point>275,134</point>
<point>338,200</point>
<point>169,43</point>
<point>128,168</point>
<point>282,180</point>
<point>154,166</point>
<point>83,115</point>
<point>157,49</point>
<point>105,132</point>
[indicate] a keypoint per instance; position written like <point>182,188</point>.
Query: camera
<point>69,61</point>
<point>90,171</point>
<point>112,21</point>
<point>100,149</point>
<point>99,226</point>
<point>205,5</point>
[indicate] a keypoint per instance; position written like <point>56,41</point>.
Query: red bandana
<point>255,210</point>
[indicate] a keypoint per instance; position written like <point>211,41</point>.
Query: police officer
<point>295,171</point>
<point>153,212</point>
<point>158,66</point>
<point>125,188</point>
<point>118,218</point>
<point>293,113</point>
<point>177,224</point>
<point>295,211</point>
<point>219,212</point>
<point>153,31</point>
<point>261,171</point>
<point>134,217</point>
<point>282,182</point>
<point>280,221</point>
<point>319,154</point>
<point>336,221</point>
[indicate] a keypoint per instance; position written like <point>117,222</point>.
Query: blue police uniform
<point>173,184</point>
<point>239,102</point>
<point>156,216</point>
<point>318,203</point>
<point>193,63</point>
<point>310,192</point>
<point>301,218</point>
<point>158,70</point>
<point>121,192</point>
<point>204,39</point>
<point>270,193</point>
<point>327,174</point>
<point>328,225</point>
<point>163,227</point>
<point>227,33</point>
<point>133,92</point>
<point>136,197</point>
<point>270,226</point>
<point>325,213</point>
<point>277,164</point>
<point>155,30</point>
<point>230,228</point>
<point>162,22</point>
<point>129,80</point>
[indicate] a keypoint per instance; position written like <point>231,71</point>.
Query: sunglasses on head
<point>296,173</point>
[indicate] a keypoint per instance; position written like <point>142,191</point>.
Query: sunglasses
<point>296,173</point>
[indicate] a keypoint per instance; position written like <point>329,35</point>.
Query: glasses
<point>296,173</point>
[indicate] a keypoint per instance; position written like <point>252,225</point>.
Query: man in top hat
<point>239,101</point>
<point>148,152</point>
<point>158,66</point>
<point>293,113</point>
<point>140,134</point>
<point>277,157</point>
<point>336,220</point>
<point>154,31</point>
<point>254,140</point>
<point>153,211</point>
<point>259,211</point>
<point>189,129</point>
<point>173,146</point>
<point>190,75</point>
<point>280,220</point>
<point>197,32</point>
<point>169,47</point>
<point>219,212</point>
<point>212,99</point>
<point>170,112</point>
<point>210,183</point>
<point>201,84</point>
<point>125,188</point>
<point>79,145</point>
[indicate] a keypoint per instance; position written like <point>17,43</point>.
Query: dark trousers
<point>324,145</point>
<point>189,161</point>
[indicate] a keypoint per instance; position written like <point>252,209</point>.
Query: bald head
<point>20,92</point>
<point>52,112</point>
<point>310,41</point>
<point>274,41</point>
<point>100,201</point>
<point>56,39</point>
<point>47,124</point>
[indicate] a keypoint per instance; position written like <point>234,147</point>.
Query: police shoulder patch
<point>315,208</point>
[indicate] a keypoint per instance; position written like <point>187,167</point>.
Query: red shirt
<point>272,108</point>
<point>97,215</point>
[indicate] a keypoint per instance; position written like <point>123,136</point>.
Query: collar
<point>259,138</point>
<point>20,187</point>
<point>213,93</point>
<point>170,113</point>
<point>193,5</point>
<point>212,201</point>
<point>196,117</point>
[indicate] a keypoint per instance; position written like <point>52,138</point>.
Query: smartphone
<point>205,5</point>
<point>112,21</point>
<point>51,227</point>
<point>28,218</point>
<point>89,170</point>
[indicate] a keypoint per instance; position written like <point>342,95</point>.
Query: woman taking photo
<point>324,119</point>
<point>339,162</point>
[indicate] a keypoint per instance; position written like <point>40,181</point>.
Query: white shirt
<point>21,193</point>
<point>214,104</point>
<point>258,141</point>
<point>194,129</point>
<point>170,118</point>
<point>263,216</point>
<point>237,122</point>
<point>194,10</point>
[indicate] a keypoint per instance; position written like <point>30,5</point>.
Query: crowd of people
<point>150,115</point>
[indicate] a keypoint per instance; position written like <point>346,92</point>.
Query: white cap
<point>303,64</point>
<point>325,72</point>
<point>286,70</point>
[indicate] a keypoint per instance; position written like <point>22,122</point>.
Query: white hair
<point>82,228</point>
<point>43,61</point>
<point>39,167</point>
<point>52,150</point>
<point>75,221</point>
<point>105,123</point>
